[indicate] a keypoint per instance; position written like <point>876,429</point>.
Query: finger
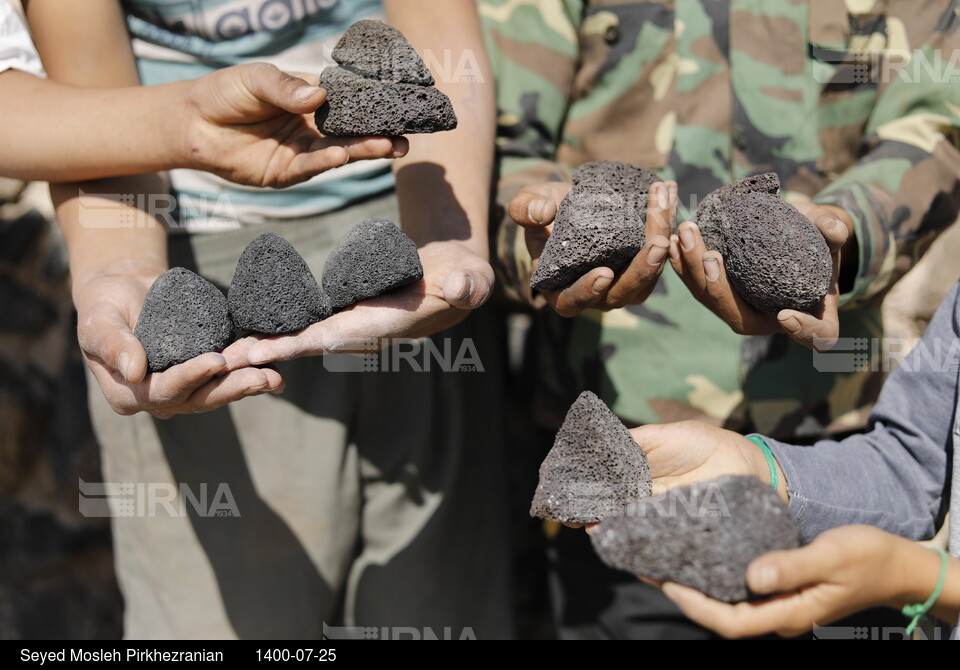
<point>583,294</point>
<point>636,282</point>
<point>834,231</point>
<point>272,86</point>
<point>104,335</point>
<point>175,384</point>
<point>692,249</point>
<point>781,571</point>
<point>468,288</point>
<point>536,205</point>
<point>808,330</point>
<point>226,389</point>
<point>741,620</point>
<point>362,148</point>
<point>661,209</point>
<point>720,293</point>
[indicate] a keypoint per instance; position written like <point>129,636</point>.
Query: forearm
<point>443,185</point>
<point>56,132</point>
<point>894,476</point>
<point>105,237</point>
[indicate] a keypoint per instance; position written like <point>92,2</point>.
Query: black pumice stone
<point>183,316</point>
<point>377,50</point>
<point>356,106</point>
<point>596,226</point>
<point>594,468</point>
<point>709,216</point>
<point>622,177</point>
<point>775,257</point>
<point>703,535</point>
<point>273,291</point>
<point>374,258</point>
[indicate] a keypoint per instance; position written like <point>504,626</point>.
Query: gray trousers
<point>373,500</point>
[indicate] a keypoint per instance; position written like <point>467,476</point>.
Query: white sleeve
<point>16,48</point>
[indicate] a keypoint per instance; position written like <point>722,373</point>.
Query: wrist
<point>179,116</point>
<point>917,571</point>
<point>765,466</point>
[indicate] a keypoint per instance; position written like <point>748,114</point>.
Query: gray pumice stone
<point>600,223</point>
<point>273,291</point>
<point>703,535</point>
<point>380,86</point>
<point>375,257</point>
<point>594,468</point>
<point>377,50</point>
<point>357,106</point>
<point>183,316</point>
<point>774,256</point>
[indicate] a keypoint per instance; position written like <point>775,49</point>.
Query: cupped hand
<point>845,570</point>
<point>455,281</point>
<point>704,274</point>
<point>535,207</point>
<point>686,452</point>
<point>107,310</point>
<point>253,124</point>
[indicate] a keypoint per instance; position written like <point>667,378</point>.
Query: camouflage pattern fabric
<point>855,104</point>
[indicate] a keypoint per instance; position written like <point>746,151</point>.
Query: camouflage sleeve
<point>533,49</point>
<point>905,188</point>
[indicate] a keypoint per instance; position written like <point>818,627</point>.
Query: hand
<point>704,274</point>
<point>685,452</point>
<point>455,281</point>
<point>107,309</point>
<point>845,570</point>
<point>535,207</point>
<point>254,125</point>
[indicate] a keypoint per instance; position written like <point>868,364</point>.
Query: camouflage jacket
<point>854,103</point>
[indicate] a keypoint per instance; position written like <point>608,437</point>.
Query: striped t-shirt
<point>185,39</point>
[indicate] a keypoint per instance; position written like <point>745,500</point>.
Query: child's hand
<point>845,570</point>
<point>455,281</point>
<point>704,274</point>
<point>107,309</point>
<point>685,452</point>
<point>535,207</point>
<point>254,125</point>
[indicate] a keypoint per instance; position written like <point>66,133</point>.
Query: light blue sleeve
<point>894,476</point>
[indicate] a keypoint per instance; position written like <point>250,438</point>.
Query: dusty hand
<point>107,309</point>
<point>845,570</point>
<point>535,207</point>
<point>455,281</point>
<point>691,451</point>
<point>253,124</point>
<point>704,274</point>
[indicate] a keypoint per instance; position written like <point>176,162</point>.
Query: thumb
<point>107,337</point>
<point>781,571</point>
<point>270,85</point>
<point>468,289</point>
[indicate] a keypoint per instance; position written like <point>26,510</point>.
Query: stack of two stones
<point>703,535</point>
<point>273,292</point>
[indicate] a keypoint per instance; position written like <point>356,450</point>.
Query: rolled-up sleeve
<point>16,48</point>
<point>894,476</point>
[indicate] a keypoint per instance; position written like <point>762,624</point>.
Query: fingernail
<point>711,268</point>
<point>255,391</point>
<point>535,211</point>
<point>764,578</point>
<point>601,284</point>
<point>687,240</point>
<point>123,360</point>
<point>466,288</point>
<point>791,323</point>
<point>398,149</point>
<point>663,196</point>
<point>304,93</point>
<point>656,255</point>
